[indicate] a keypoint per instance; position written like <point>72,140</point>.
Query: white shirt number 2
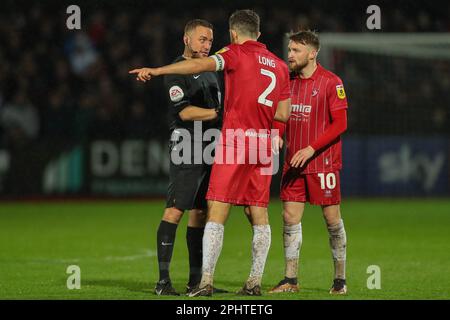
<point>262,99</point>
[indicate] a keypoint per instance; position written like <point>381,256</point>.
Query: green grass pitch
<point>114,244</point>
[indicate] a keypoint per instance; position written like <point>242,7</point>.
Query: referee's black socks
<point>166,240</point>
<point>194,238</point>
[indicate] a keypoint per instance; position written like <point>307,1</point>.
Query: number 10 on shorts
<point>328,180</point>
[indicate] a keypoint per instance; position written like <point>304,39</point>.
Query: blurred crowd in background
<point>74,85</point>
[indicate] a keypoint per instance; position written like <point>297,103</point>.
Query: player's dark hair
<point>192,24</point>
<point>306,37</point>
<point>245,22</point>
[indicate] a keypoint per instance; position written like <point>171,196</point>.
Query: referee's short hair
<point>306,37</point>
<point>192,24</point>
<point>245,22</point>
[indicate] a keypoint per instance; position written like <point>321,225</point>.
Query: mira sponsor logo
<point>301,110</point>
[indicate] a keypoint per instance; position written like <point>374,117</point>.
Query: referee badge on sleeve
<point>340,91</point>
<point>176,93</point>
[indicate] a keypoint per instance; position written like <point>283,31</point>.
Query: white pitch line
<point>145,254</point>
<point>148,253</point>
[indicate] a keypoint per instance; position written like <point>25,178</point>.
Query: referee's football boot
<point>206,291</point>
<point>189,289</point>
<point>164,288</point>
<point>338,287</point>
<point>285,285</point>
<point>245,291</point>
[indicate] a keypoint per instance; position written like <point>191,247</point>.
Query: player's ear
<point>186,40</point>
<point>259,34</point>
<point>233,35</point>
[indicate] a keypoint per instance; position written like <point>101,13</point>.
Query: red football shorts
<point>240,184</point>
<point>322,188</point>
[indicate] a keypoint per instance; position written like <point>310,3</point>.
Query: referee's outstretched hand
<point>144,74</point>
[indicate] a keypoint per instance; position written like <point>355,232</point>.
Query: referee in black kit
<point>191,98</point>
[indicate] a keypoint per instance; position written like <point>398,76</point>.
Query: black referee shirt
<point>200,90</point>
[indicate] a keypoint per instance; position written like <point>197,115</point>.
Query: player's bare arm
<point>191,66</point>
<point>282,115</point>
<point>193,113</point>
<point>278,129</point>
<point>283,110</point>
<point>277,144</point>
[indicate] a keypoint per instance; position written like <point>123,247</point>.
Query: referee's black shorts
<point>188,185</point>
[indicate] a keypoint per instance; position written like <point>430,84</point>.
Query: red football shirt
<point>255,81</point>
<point>312,101</point>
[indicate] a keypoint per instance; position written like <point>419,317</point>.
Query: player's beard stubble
<point>297,67</point>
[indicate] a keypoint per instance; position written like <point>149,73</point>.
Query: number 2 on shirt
<point>273,81</point>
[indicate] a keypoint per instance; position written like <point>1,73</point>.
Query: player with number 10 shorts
<point>314,102</point>
<point>313,157</point>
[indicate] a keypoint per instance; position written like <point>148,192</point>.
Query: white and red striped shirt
<point>313,99</point>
